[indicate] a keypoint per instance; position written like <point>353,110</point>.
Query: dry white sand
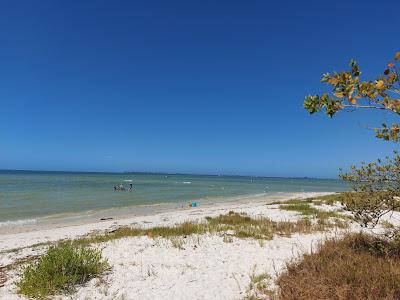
<point>207,266</point>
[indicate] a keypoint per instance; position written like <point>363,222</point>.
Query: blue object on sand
<point>194,204</point>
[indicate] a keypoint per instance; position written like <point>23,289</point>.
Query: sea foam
<point>18,222</point>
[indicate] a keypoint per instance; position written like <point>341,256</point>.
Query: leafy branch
<point>349,93</point>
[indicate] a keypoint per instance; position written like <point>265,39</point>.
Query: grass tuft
<point>258,287</point>
<point>305,209</point>
<point>227,239</point>
<point>60,270</point>
<point>327,199</point>
<point>293,201</point>
<point>302,208</point>
<point>177,242</point>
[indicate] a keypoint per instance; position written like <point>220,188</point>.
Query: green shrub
<point>60,270</point>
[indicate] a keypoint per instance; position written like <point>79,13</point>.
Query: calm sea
<point>25,196</point>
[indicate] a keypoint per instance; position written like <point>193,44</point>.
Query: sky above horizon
<point>187,86</point>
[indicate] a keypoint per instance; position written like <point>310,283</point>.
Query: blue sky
<point>186,86</point>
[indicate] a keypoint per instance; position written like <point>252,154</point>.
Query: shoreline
<point>28,235</point>
<point>95,215</point>
<point>176,267</point>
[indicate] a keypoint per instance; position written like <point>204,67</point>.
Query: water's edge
<point>118,213</point>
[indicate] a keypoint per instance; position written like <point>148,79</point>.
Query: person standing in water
<point>130,187</point>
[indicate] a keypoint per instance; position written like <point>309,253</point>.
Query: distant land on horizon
<point>160,173</point>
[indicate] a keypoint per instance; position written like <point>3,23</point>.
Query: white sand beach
<point>204,267</point>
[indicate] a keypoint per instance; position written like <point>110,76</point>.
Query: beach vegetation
<point>239,225</point>
<point>262,228</point>
<point>376,185</point>
<point>358,266</point>
<point>322,216</point>
<point>227,238</point>
<point>70,263</point>
<point>34,246</point>
<point>376,190</point>
<point>59,270</point>
<point>293,201</point>
<point>330,199</point>
<point>177,242</point>
<point>258,287</point>
<point>302,208</point>
<point>307,210</point>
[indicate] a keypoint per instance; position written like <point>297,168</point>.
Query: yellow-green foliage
<point>303,208</point>
<point>327,199</point>
<point>348,92</point>
<point>60,270</point>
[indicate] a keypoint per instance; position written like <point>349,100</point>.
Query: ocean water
<point>26,196</point>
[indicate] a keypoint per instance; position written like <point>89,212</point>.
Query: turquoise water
<point>29,195</point>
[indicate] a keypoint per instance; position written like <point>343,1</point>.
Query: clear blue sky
<point>186,86</point>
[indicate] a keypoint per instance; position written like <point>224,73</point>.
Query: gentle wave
<point>18,222</point>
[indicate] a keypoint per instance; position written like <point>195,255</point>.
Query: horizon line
<point>165,173</point>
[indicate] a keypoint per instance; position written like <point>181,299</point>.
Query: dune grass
<point>293,201</point>
<point>258,288</point>
<point>355,267</point>
<point>307,210</point>
<point>168,232</point>
<point>239,224</point>
<point>304,207</point>
<point>327,199</point>
<point>58,271</point>
<point>261,228</point>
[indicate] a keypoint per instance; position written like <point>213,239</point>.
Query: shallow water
<point>26,196</point>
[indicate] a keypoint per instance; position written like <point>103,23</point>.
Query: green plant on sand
<point>376,188</point>
<point>62,268</point>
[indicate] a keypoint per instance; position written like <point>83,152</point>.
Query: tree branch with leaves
<point>349,93</point>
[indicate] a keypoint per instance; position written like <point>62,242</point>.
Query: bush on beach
<point>358,266</point>
<point>60,270</point>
